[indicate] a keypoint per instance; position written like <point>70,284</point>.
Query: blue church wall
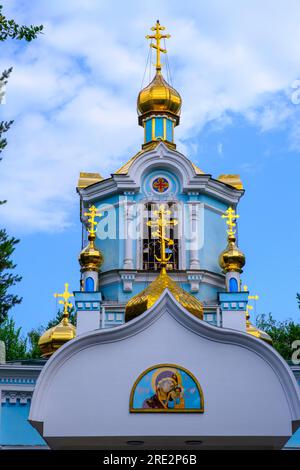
<point>208,292</point>
<point>108,235</point>
<point>214,241</point>
<point>15,428</point>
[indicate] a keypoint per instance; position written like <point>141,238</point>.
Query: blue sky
<point>73,94</point>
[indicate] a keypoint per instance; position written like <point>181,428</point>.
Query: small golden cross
<point>92,214</point>
<point>65,302</point>
<point>158,36</point>
<point>250,297</point>
<point>231,217</point>
<point>161,223</point>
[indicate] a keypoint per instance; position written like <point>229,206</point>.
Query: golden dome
<point>232,258</point>
<point>252,330</point>
<point>56,336</point>
<point>145,299</point>
<point>90,258</point>
<point>159,97</point>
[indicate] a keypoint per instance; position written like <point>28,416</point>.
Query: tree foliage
<point>15,343</point>
<point>7,278</point>
<point>283,333</point>
<point>18,347</point>
<point>10,29</point>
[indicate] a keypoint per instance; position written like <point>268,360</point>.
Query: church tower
<point>158,183</point>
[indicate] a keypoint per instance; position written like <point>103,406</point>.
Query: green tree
<point>9,29</point>
<point>7,278</point>
<point>283,333</point>
<point>15,343</point>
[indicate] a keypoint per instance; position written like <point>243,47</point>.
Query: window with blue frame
<point>89,284</point>
<point>233,285</point>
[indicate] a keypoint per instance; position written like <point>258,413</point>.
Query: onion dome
<point>90,258</point>
<point>256,332</point>
<point>232,259</point>
<point>56,336</point>
<point>145,299</point>
<point>159,97</point>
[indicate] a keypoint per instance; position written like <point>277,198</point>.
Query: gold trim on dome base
<point>148,297</point>
<point>153,143</point>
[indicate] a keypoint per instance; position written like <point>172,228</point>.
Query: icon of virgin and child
<point>169,393</point>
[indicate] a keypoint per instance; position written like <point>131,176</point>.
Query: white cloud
<point>73,90</point>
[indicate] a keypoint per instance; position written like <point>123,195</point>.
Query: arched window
<point>151,245</point>
<point>89,284</point>
<point>233,285</point>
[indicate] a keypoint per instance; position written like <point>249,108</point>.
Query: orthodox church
<point>163,354</point>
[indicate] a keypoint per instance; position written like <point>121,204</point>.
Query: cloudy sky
<point>73,94</point>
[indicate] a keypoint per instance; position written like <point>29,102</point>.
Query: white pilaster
<point>194,223</point>
<point>128,257</point>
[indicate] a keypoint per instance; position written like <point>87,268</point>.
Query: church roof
<point>126,167</point>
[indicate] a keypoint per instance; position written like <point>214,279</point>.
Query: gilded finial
<point>251,329</point>
<point>232,259</point>
<point>92,213</point>
<point>65,302</point>
<point>231,217</point>
<point>161,223</point>
<point>158,37</point>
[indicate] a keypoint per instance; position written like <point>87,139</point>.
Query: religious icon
<point>160,184</point>
<point>166,388</point>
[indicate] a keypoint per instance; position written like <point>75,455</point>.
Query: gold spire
<point>59,334</point>
<point>145,299</point>
<point>158,37</point>
<point>158,97</point>
<point>232,259</point>
<point>250,328</point>
<point>90,257</point>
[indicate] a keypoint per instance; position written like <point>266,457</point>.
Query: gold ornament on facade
<point>59,334</point>
<point>145,299</point>
<point>232,259</point>
<point>91,258</point>
<point>158,97</point>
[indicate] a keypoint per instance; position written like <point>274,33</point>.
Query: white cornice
<point>207,277</point>
<point>173,161</point>
<point>166,305</point>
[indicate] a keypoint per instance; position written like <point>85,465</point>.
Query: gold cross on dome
<point>231,217</point>
<point>92,213</point>
<point>161,223</point>
<point>158,37</point>
<point>65,302</point>
<point>250,297</point>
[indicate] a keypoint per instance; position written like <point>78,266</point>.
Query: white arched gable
<point>249,390</point>
<point>162,157</point>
